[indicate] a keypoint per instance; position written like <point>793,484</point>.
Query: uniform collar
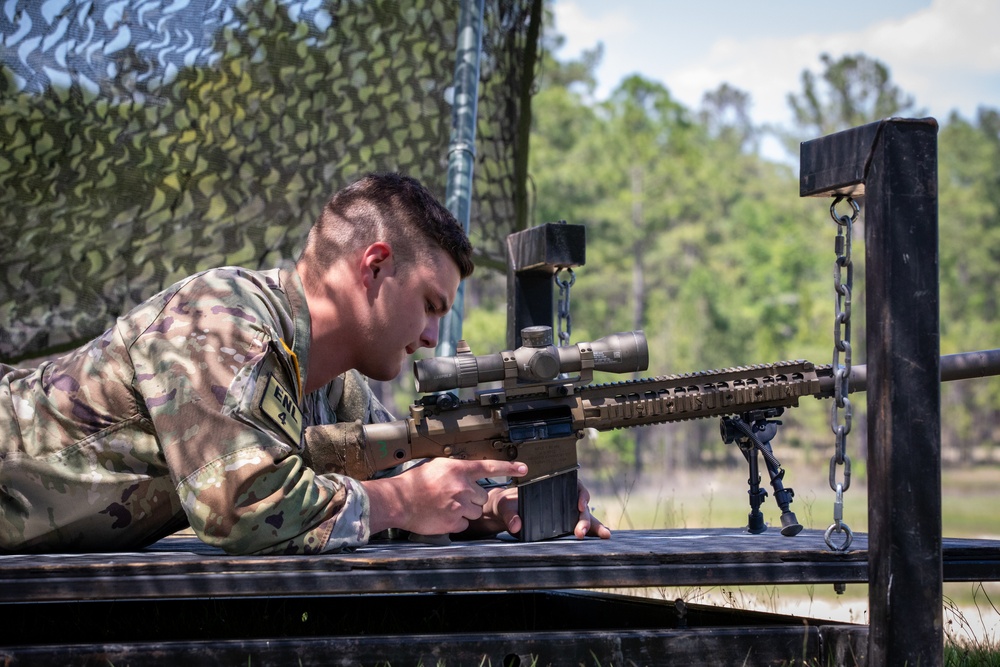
<point>292,285</point>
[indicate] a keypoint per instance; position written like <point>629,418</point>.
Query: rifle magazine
<point>548,507</point>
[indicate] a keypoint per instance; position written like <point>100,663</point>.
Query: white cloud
<point>766,68</point>
<point>953,34</point>
<point>584,30</point>
<point>944,54</point>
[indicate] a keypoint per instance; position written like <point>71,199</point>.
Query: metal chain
<point>841,413</point>
<point>563,306</point>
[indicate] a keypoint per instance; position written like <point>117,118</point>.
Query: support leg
<point>753,432</point>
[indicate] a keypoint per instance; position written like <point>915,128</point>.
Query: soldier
<point>194,408</point>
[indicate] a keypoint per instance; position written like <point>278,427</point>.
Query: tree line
<point>699,240</point>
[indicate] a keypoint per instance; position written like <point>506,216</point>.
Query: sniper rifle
<point>543,401</point>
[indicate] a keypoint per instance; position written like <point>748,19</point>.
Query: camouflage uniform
<point>189,410</point>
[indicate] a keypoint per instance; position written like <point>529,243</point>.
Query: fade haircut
<point>386,207</point>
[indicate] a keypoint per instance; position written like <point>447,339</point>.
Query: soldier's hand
<point>589,524</point>
<point>439,496</point>
<point>500,513</point>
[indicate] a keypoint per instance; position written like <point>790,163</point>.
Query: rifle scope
<point>537,361</point>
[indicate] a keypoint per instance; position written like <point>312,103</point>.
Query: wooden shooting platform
<point>506,601</point>
<point>501,602</point>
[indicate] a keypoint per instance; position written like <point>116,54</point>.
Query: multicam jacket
<point>188,411</point>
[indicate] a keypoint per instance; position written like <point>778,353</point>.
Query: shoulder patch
<point>280,407</point>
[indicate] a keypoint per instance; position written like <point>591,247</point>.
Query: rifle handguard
<point>339,448</point>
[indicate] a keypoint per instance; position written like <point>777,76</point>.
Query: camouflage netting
<point>144,140</point>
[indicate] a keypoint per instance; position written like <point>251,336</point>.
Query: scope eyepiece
<point>538,361</point>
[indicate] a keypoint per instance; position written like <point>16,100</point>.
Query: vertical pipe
<point>462,149</point>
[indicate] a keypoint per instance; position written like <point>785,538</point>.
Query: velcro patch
<point>279,405</point>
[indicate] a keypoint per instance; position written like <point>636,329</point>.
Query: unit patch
<point>277,403</point>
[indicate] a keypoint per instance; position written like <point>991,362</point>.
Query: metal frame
<point>893,165</point>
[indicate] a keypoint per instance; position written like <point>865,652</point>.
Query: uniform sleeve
<point>222,394</point>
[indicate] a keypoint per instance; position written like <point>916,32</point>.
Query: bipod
<point>752,432</point>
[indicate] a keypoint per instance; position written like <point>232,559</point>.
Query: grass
<point>718,498</point>
<point>966,642</point>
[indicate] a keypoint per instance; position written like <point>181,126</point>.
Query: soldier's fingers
<point>479,495</point>
<point>472,512</point>
<point>582,528</point>
<point>491,468</point>
<point>590,525</point>
<point>506,508</point>
<point>598,529</point>
<point>513,524</point>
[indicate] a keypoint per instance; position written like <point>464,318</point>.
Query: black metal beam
<point>893,163</point>
<point>535,255</point>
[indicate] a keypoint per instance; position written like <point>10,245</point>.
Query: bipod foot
<point>755,519</point>
<point>790,526</point>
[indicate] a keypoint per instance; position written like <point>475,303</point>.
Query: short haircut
<point>387,207</point>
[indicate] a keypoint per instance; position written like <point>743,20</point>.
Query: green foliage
<point>852,91</point>
<point>485,330</point>
<point>698,240</point>
<point>969,220</point>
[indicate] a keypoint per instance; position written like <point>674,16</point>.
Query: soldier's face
<point>411,301</point>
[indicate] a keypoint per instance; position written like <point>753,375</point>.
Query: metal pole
<point>462,149</point>
<point>893,164</point>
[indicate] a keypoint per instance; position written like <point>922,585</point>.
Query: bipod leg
<point>752,432</point>
<point>735,429</point>
<point>790,525</point>
<point>755,520</point>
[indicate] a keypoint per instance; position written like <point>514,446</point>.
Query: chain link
<point>841,414</point>
<point>563,306</point>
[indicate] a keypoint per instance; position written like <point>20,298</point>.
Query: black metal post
<point>893,164</point>
<point>547,507</point>
<point>534,257</point>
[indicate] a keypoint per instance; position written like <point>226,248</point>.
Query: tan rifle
<point>542,402</point>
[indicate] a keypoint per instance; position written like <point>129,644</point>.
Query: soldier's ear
<point>376,260</point>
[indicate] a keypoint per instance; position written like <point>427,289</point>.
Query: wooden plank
<point>106,622</point>
<point>185,567</point>
<point>725,646</point>
<point>550,627</point>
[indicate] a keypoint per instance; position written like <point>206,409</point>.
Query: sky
<point>945,53</point>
